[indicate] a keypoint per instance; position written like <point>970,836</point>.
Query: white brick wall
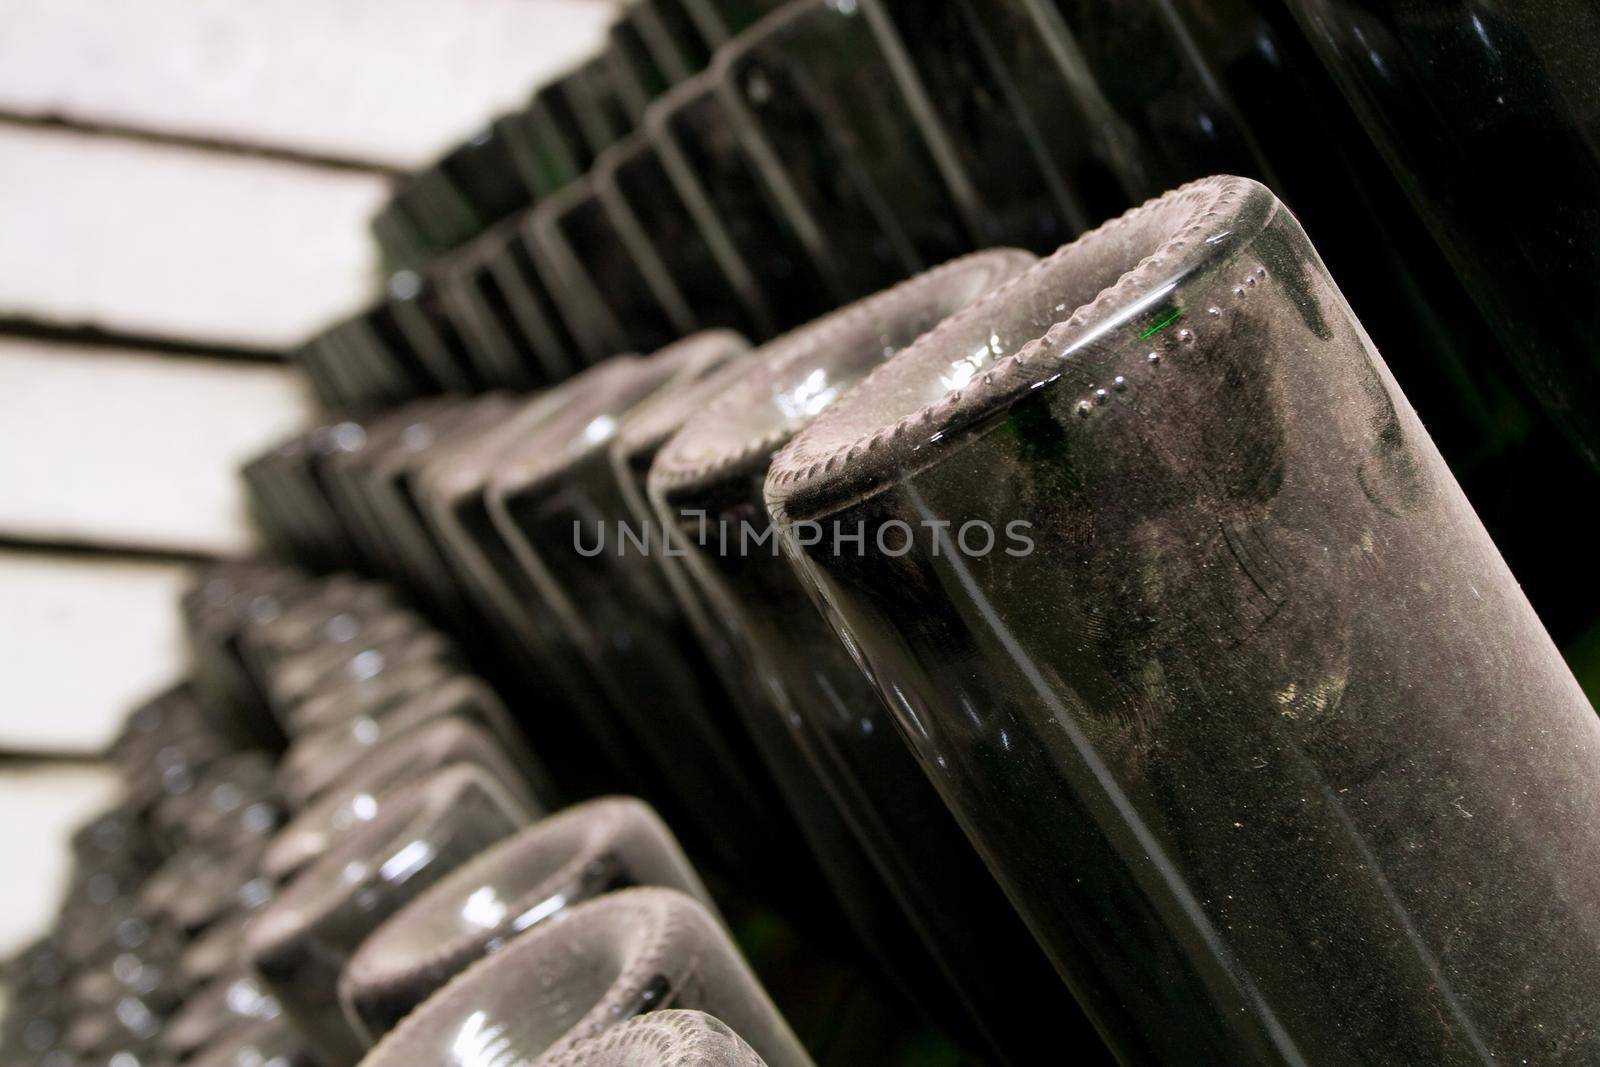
<point>394,81</point>
<point>81,642</point>
<point>152,240</point>
<point>135,449</point>
<point>44,805</point>
<point>141,236</point>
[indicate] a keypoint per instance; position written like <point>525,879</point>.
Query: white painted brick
<point>116,448</point>
<point>82,641</point>
<point>386,80</point>
<point>179,243</point>
<point>43,805</point>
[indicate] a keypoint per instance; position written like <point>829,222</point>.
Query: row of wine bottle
<point>1111,615</point>
<point>384,888</point>
<point>713,168</point>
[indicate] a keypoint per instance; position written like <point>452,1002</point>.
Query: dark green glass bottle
<point>1188,621</point>
<point>1488,115</point>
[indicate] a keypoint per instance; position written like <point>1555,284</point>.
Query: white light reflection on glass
<point>600,429</point>
<point>966,368</point>
<point>407,862</point>
<point>484,908</point>
<point>808,398</point>
<point>478,1044</point>
<point>540,911</point>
